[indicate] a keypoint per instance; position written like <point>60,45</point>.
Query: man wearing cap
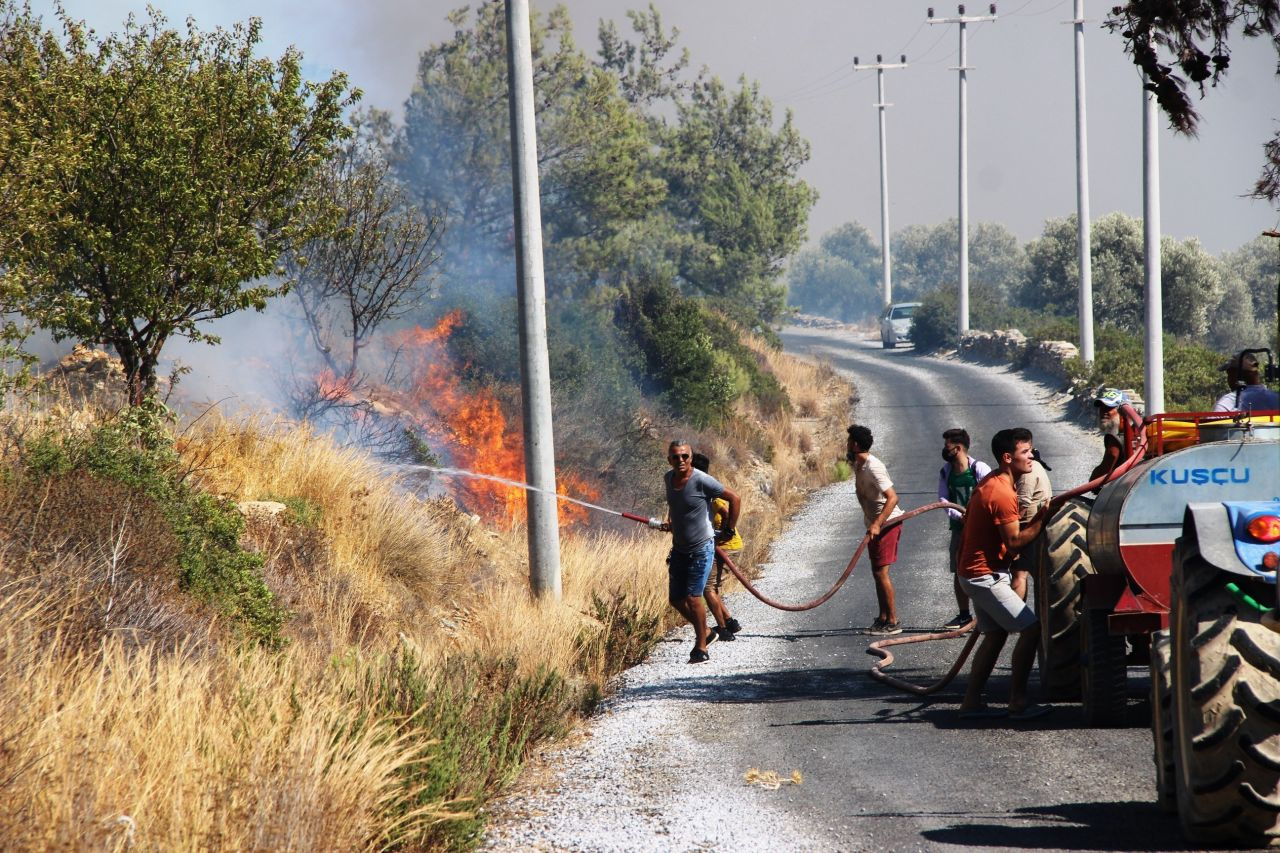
<point>1108,403</point>
<point>1248,394</point>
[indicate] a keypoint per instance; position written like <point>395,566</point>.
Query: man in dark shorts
<point>689,496</point>
<point>879,504</point>
<point>993,533</point>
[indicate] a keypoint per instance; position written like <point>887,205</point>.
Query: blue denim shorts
<point>687,573</point>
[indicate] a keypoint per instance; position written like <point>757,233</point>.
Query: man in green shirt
<point>956,481</point>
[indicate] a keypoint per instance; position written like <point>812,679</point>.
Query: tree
<point>1257,263</point>
<point>1191,280</point>
<point>371,268</point>
<point>1196,36</point>
<point>593,152</point>
<point>188,157</point>
<point>926,257</point>
<point>732,185</point>
<point>840,277</point>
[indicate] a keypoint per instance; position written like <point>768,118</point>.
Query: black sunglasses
<point>674,456</point>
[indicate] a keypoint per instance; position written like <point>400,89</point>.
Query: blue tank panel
<point>1146,505</point>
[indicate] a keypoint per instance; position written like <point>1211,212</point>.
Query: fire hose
<point>880,647</point>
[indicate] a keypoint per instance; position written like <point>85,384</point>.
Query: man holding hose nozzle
<point>689,496</point>
<point>992,535</point>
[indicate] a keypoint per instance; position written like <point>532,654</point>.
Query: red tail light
<point>1264,528</point>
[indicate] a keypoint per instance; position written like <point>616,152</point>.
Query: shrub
<point>136,450</point>
<point>691,356</point>
<point>481,718</point>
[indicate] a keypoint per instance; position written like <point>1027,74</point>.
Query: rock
<point>1007,345</point>
<point>1051,357</point>
<point>261,510</point>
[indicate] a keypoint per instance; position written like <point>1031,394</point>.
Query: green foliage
<point>841,471</point>
<point>933,326</point>
<point>732,184</point>
<point>710,199</point>
<point>1192,381</point>
<point>480,719</point>
<point>840,278</point>
<point>163,172</point>
<point>595,169</point>
<point>678,358</point>
<point>1192,281</point>
<point>691,356</point>
<point>926,257</point>
<point>136,450</point>
<point>416,449</point>
<point>301,511</point>
<point>628,636</point>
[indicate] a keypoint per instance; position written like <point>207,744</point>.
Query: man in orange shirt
<point>992,536</point>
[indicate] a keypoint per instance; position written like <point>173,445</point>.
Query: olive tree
<point>176,162</point>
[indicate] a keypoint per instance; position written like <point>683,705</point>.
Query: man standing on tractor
<point>1108,403</point>
<point>992,535</point>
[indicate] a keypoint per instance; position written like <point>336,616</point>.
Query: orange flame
<point>471,428</point>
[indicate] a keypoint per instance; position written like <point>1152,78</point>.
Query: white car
<point>895,323</point>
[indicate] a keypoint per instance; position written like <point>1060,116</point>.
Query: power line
<point>817,82</point>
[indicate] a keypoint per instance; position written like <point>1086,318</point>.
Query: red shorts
<point>883,549</point>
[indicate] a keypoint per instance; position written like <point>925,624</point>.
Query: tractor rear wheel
<point>1103,672</point>
<point>1162,722</point>
<point>1063,563</point>
<point>1226,700</point>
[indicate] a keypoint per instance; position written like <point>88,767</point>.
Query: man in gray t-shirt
<point>689,496</point>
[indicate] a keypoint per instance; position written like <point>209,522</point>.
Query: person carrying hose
<point>689,495</point>
<point>726,535</point>
<point>992,535</point>
<point>956,481</point>
<point>879,504</point>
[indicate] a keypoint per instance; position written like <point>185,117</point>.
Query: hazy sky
<point>1021,99</point>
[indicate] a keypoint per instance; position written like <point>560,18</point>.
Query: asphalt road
<point>663,767</point>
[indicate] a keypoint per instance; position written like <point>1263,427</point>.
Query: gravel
<point>638,778</point>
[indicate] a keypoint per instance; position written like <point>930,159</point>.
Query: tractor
<point>1175,561</point>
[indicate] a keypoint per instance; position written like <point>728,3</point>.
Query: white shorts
<point>998,606</point>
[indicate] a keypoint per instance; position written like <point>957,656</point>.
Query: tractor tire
<point>1063,562</point>
<point>1226,701</point>
<point>1103,672</point>
<point>1162,722</point>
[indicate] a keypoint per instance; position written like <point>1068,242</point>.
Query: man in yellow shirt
<point>730,542</point>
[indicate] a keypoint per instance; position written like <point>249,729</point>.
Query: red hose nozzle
<point>652,522</point>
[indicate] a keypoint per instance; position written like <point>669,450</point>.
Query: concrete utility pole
<point>964,20</point>
<point>880,68</point>
<point>1153,373</point>
<point>1082,196</point>
<point>535,366</point>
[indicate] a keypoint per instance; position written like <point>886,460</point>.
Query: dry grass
<point>127,718</point>
<point>116,745</point>
<point>384,562</point>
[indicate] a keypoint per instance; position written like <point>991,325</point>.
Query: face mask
<point>949,455</point>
